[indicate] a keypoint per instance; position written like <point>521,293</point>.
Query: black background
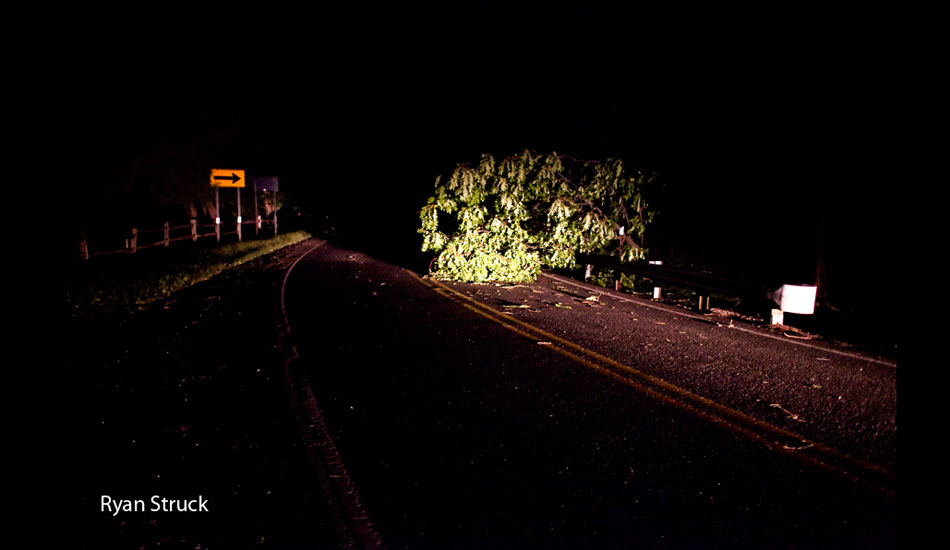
<point>762,122</point>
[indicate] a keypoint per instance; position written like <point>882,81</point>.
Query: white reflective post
<point>217,213</point>
<point>238,191</point>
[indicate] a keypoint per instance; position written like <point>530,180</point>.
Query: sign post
<point>226,178</point>
<point>217,213</point>
<point>239,214</point>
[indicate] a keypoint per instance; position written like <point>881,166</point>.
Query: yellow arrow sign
<point>227,178</point>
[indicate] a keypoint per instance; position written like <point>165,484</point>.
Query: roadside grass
<point>118,286</point>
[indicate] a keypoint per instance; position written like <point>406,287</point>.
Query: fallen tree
<point>503,221</point>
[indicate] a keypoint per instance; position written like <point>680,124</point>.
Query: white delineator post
<point>656,290</point>
<point>217,213</point>
<point>777,317</point>
<point>238,191</point>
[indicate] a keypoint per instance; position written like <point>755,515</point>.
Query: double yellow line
<point>775,438</point>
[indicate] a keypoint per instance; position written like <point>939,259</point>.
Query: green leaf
<point>555,205</point>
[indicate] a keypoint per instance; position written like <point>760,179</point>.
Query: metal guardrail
<point>702,283</point>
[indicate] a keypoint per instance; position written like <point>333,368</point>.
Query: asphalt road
<point>481,416</point>
<point>185,400</point>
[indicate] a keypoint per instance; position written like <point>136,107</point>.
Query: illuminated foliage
<point>503,221</point>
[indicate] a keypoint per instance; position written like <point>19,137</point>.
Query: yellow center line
<point>734,420</point>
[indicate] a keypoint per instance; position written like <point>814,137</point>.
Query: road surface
<point>560,415</point>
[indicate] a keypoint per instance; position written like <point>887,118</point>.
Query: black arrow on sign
<point>233,177</point>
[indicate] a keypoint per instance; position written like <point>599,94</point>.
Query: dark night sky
<point>749,114</point>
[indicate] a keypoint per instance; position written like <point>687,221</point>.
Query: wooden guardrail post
<point>83,246</point>
<point>194,230</point>
<point>257,226</point>
<point>167,231</point>
<point>135,239</point>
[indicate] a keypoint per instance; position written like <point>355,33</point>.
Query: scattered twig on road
<point>800,448</point>
<point>790,414</point>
